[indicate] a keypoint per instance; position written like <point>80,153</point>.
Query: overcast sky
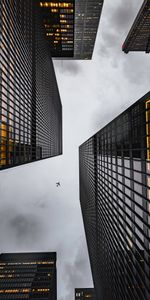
<point>34,214</point>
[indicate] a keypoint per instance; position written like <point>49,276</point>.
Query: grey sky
<point>34,214</point>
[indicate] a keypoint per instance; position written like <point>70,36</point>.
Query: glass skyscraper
<point>58,19</point>
<point>138,36</point>
<point>30,106</point>
<point>28,276</point>
<point>87,17</point>
<point>71,27</point>
<point>31,32</point>
<point>115,202</point>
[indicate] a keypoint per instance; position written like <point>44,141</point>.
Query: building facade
<point>58,18</point>
<point>28,276</point>
<point>138,36</point>
<point>115,202</point>
<point>87,17</point>
<point>85,294</point>
<point>30,106</point>
<point>71,27</point>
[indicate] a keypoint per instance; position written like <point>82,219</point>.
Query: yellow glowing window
<point>56,4</point>
<point>12,291</point>
<point>49,34</point>
<point>26,290</point>
<point>54,10</point>
<point>15,291</point>
<point>147,106</point>
<point>63,21</point>
<point>41,290</point>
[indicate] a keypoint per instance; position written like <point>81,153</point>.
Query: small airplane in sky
<point>57,184</point>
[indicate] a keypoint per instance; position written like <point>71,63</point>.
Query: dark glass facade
<point>48,104</point>
<point>87,16</point>
<point>58,19</point>
<point>71,27</point>
<point>115,202</point>
<point>28,276</point>
<point>85,294</point>
<point>138,38</point>
<point>30,106</point>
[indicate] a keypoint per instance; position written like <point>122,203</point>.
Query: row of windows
<point>59,31</point>
<point>16,87</point>
<point>138,38</point>
<point>20,115</point>
<point>25,290</point>
<point>27,263</point>
<point>84,10</point>
<point>115,205</point>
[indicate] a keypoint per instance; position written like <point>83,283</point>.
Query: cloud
<point>19,228</point>
<point>117,21</point>
<point>77,273</point>
<point>25,227</point>
<point>68,67</point>
<point>122,15</point>
<point>136,68</point>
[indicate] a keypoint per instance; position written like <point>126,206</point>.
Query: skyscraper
<point>87,17</point>
<point>115,202</point>
<point>71,26</point>
<point>84,294</point>
<point>28,276</point>
<point>138,36</point>
<point>30,106</point>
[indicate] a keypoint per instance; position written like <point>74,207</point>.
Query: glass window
<point>127,163</point>
<point>127,172</point>
<point>137,176</point>
<point>137,165</point>
<point>138,188</point>
<point>127,182</point>
<point>138,199</point>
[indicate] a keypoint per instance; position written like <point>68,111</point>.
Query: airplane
<point>57,184</point>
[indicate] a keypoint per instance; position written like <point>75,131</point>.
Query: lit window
<point>54,10</point>
<point>56,4</point>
